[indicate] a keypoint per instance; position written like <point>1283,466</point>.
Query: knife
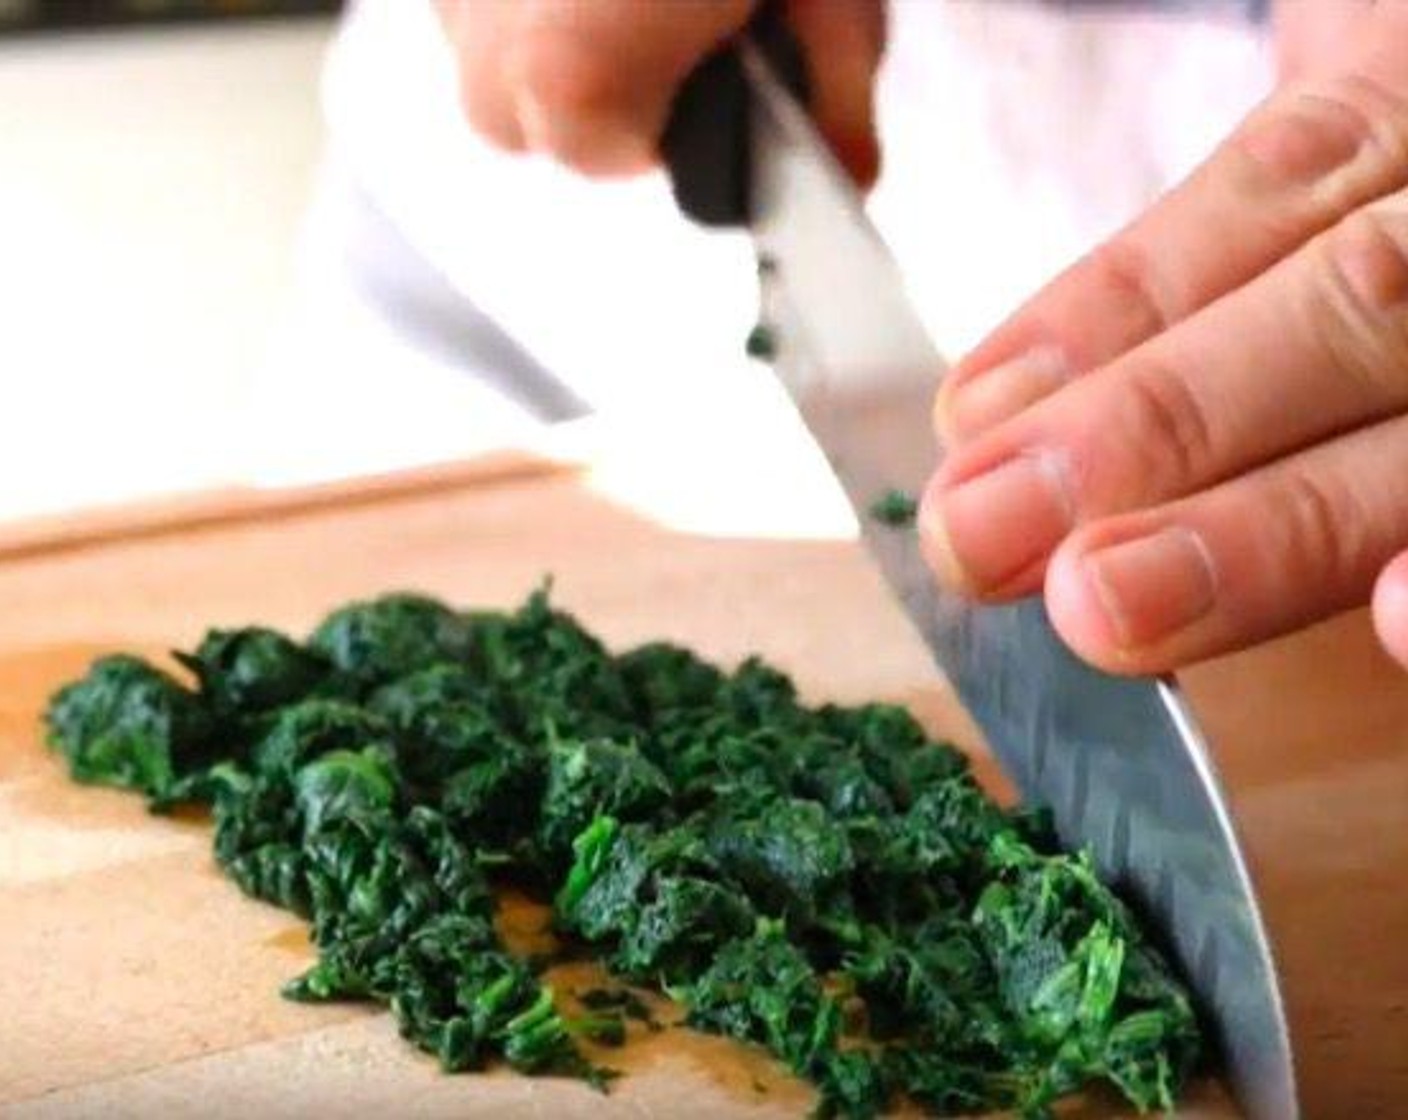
<point>1120,762</point>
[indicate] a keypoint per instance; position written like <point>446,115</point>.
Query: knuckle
<point>1167,426</point>
<point>1371,255</point>
<point>1123,269</point>
<point>488,117</point>
<point>1310,134</point>
<point>1362,300</point>
<point>1323,533</point>
<point>1385,115</point>
<point>573,104</point>
<point>566,82</point>
<point>1303,133</point>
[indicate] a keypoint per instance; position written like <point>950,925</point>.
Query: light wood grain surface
<point>135,981</point>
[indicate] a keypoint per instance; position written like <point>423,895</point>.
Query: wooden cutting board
<point>135,981</point>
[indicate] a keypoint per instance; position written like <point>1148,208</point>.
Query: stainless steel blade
<point>425,309</point>
<point>1120,762</point>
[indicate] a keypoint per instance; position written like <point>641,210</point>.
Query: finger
<point>1315,346</point>
<point>1310,39</point>
<point>479,33</point>
<point>1308,156</point>
<point>843,41</point>
<point>1391,608</point>
<point>592,84</point>
<point>1260,556</point>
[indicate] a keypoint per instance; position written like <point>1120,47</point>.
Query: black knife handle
<point>706,142</point>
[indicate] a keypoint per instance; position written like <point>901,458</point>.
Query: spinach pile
<point>826,882</point>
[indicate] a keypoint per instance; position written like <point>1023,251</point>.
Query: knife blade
<point>1120,762</point>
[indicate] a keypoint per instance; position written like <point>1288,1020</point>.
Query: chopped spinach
<point>253,670</point>
<point>894,508</point>
<point>761,343</point>
<point>129,724</point>
<point>825,882</point>
<point>619,1001</point>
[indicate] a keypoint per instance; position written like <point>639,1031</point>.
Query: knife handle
<point>706,145</point>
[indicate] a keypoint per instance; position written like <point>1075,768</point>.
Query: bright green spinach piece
<point>895,508</point>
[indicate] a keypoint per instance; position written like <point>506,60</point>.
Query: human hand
<point>591,84</point>
<point>1197,437</point>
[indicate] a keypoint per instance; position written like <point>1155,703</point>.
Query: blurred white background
<point>151,188</point>
<point>172,322</point>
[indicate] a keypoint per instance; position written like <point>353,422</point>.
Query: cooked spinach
<point>621,1002</point>
<point>761,343</point>
<point>825,882</point>
<point>129,724</point>
<point>894,508</point>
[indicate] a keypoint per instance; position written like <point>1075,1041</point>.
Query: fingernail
<point>1154,585</point>
<point>990,529</point>
<point>985,399</point>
